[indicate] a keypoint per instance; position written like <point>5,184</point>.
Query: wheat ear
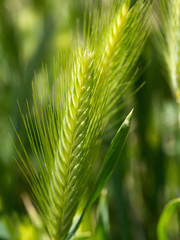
<point>167,24</point>
<point>65,129</point>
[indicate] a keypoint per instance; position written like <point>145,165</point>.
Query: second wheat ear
<point>65,130</point>
<point>167,36</point>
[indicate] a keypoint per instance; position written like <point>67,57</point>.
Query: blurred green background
<point>32,33</point>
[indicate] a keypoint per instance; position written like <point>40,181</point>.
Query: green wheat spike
<point>167,25</point>
<point>65,127</point>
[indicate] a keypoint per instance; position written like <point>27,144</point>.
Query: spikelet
<point>121,46</point>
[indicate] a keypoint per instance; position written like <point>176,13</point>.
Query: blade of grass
<point>165,217</point>
<point>112,157</point>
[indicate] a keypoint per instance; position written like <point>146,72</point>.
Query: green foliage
<point>168,43</point>
<point>20,229</point>
<point>168,211</point>
<point>78,104</point>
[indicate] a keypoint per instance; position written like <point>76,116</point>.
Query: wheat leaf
<point>165,217</point>
<point>110,162</point>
